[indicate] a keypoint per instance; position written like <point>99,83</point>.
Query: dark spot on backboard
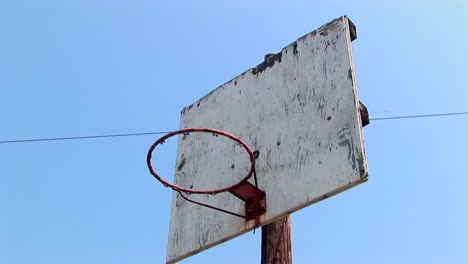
<point>295,48</point>
<point>329,118</point>
<point>191,186</point>
<point>348,144</point>
<point>256,154</point>
<point>232,166</point>
<point>181,165</point>
<point>350,75</point>
<point>324,68</point>
<point>278,142</point>
<point>235,83</point>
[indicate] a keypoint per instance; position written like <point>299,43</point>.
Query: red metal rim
<point>200,130</point>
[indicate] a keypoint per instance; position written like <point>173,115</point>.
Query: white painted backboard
<point>299,108</point>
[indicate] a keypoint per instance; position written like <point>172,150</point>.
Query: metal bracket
<point>254,198</point>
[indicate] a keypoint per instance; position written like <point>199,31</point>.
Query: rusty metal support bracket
<point>254,198</point>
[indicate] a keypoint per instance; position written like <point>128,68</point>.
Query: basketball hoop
<point>253,197</point>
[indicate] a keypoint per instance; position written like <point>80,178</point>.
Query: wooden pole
<point>276,242</point>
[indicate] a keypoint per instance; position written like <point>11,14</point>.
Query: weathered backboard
<point>299,109</point>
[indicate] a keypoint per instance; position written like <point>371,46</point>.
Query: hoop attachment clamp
<point>254,198</point>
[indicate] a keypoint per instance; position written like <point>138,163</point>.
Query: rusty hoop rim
<point>200,130</point>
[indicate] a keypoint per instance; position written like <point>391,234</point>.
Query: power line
<point>165,132</point>
<point>418,116</point>
<point>81,137</point>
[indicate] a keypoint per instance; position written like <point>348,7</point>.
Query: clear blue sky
<point>82,67</point>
